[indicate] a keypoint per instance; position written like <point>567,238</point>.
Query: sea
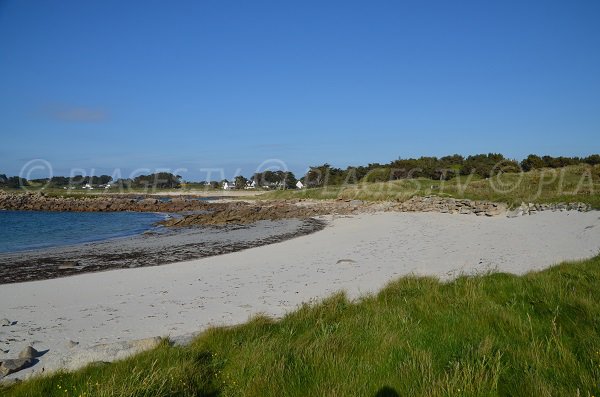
<point>29,230</point>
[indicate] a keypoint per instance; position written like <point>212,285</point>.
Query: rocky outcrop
<point>241,212</point>
<point>531,208</point>
<point>42,202</point>
<point>244,213</point>
<point>452,206</point>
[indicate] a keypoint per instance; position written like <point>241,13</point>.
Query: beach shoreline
<point>155,247</point>
<point>94,316</point>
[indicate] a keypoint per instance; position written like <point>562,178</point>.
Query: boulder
<point>9,366</point>
<point>514,213</point>
<point>29,352</point>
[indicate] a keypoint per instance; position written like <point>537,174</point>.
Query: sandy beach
<point>90,317</point>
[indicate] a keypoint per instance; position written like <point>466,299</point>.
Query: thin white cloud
<point>76,114</point>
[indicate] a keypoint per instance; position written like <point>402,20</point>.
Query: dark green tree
<point>240,182</point>
<point>532,162</point>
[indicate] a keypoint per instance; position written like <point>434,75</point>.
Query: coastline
<point>90,317</point>
<point>158,246</point>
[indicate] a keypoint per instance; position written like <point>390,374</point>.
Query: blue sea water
<point>26,230</point>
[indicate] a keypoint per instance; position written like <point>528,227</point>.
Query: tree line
<point>164,180</point>
<point>12,182</point>
<point>447,167</point>
<point>76,181</point>
<point>160,180</point>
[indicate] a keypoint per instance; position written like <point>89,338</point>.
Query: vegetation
<point>13,182</point>
<point>75,181</point>
<point>546,185</point>
<point>444,168</point>
<point>433,168</point>
<point>279,179</point>
<point>160,180</point>
<point>487,335</point>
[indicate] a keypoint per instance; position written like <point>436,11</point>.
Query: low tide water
<point>28,230</point>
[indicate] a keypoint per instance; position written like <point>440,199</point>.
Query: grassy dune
<point>574,183</point>
<point>497,334</point>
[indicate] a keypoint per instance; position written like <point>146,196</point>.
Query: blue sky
<point>221,84</point>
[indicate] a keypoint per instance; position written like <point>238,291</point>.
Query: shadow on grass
<point>387,391</point>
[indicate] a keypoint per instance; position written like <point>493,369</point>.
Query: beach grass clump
<point>578,183</point>
<point>486,335</point>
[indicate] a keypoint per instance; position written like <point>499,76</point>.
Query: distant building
<point>299,185</point>
<point>228,185</point>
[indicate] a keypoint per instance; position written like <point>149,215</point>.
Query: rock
<point>29,352</point>
<point>33,201</point>
<point>5,322</point>
<point>9,366</point>
<point>514,213</point>
<point>495,210</point>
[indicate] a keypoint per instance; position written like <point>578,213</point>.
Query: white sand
<point>357,254</point>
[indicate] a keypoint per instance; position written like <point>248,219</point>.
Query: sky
<point>126,87</point>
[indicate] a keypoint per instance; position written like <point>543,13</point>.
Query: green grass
<point>490,335</point>
<point>574,183</point>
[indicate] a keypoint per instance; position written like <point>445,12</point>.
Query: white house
<point>299,185</point>
<point>87,186</point>
<point>228,185</point>
<point>250,184</point>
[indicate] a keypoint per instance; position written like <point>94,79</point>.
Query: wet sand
<point>158,247</point>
